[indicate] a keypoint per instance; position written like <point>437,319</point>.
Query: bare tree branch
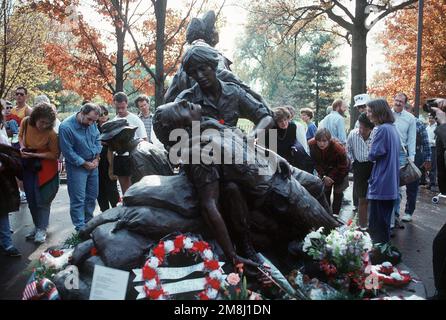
<point>391,10</point>
<point>343,8</point>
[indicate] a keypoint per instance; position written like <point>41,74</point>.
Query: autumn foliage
<point>400,43</point>
<point>94,64</point>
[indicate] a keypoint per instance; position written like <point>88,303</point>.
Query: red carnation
<point>221,121</point>
<point>93,251</point>
<point>200,246</point>
<point>179,242</point>
<point>159,251</point>
<point>155,294</point>
<point>214,283</point>
<point>203,296</point>
<point>148,273</point>
<point>211,265</point>
<point>56,253</point>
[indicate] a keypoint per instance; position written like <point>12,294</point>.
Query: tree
<point>400,43</point>
<point>85,52</point>
<point>166,32</point>
<point>297,71</point>
<point>318,80</point>
<point>23,34</point>
<point>352,24</point>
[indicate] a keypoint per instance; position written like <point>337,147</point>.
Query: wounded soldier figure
<point>230,186</point>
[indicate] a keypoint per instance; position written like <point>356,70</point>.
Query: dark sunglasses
<point>20,94</point>
<point>104,114</point>
<point>9,107</point>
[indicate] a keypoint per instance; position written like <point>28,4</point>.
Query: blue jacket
<point>77,142</point>
<point>384,152</point>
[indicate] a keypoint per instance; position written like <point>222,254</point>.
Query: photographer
<point>439,244</point>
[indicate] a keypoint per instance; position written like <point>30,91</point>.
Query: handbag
<point>409,172</point>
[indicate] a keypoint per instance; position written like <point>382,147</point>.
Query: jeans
<point>380,213</point>
<point>5,232</point>
<point>412,188</point>
<point>396,207</point>
<point>433,172</point>
<point>40,210</point>
<point>83,189</point>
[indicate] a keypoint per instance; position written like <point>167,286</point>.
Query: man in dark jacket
<point>439,245</point>
<point>10,168</point>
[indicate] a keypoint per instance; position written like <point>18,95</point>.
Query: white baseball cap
<point>361,99</point>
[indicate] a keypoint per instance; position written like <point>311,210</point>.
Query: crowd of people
<point>34,144</point>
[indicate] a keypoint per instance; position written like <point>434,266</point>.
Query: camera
<point>427,107</point>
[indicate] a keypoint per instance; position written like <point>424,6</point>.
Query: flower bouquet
<point>343,256</point>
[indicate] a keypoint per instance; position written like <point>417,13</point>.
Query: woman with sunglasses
<point>40,151</point>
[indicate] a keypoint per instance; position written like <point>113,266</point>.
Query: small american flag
<point>30,289</point>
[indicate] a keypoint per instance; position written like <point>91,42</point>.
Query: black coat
<point>441,157</point>
<point>10,169</point>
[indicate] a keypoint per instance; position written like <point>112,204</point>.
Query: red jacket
<point>331,162</point>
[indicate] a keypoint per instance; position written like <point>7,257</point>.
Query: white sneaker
<point>22,197</point>
<point>30,236</point>
<point>407,218</point>
<point>40,236</point>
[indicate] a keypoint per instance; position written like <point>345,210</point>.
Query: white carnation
<point>188,244</point>
<point>207,254</point>
<point>151,284</point>
<point>169,246</point>
<point>216,274</point>
<point>153,262</point>
<point>211,293</point>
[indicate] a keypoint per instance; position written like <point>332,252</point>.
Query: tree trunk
<point>317,102</point>
<point>359,58</point>
<point>4,50</point>
<point>119,67</point>
<point>160,13</point>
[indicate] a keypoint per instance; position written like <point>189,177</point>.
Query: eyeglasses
<point>104,114</point>
<point>9,107</point>
<point>20,94</point>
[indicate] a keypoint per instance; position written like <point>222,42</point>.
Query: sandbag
<point>175,193</point>
<point>155,223</point>
<point>87,268</point>
<point>109,215</point>
<point>64,277</point>
<point>122,249</point>
<point>82,252</point>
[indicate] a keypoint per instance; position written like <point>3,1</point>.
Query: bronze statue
<point>202,32</point>
<point>145,158</point>
<point>275,190</point>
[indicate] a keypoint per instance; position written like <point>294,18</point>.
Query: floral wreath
<point>153,288</point>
